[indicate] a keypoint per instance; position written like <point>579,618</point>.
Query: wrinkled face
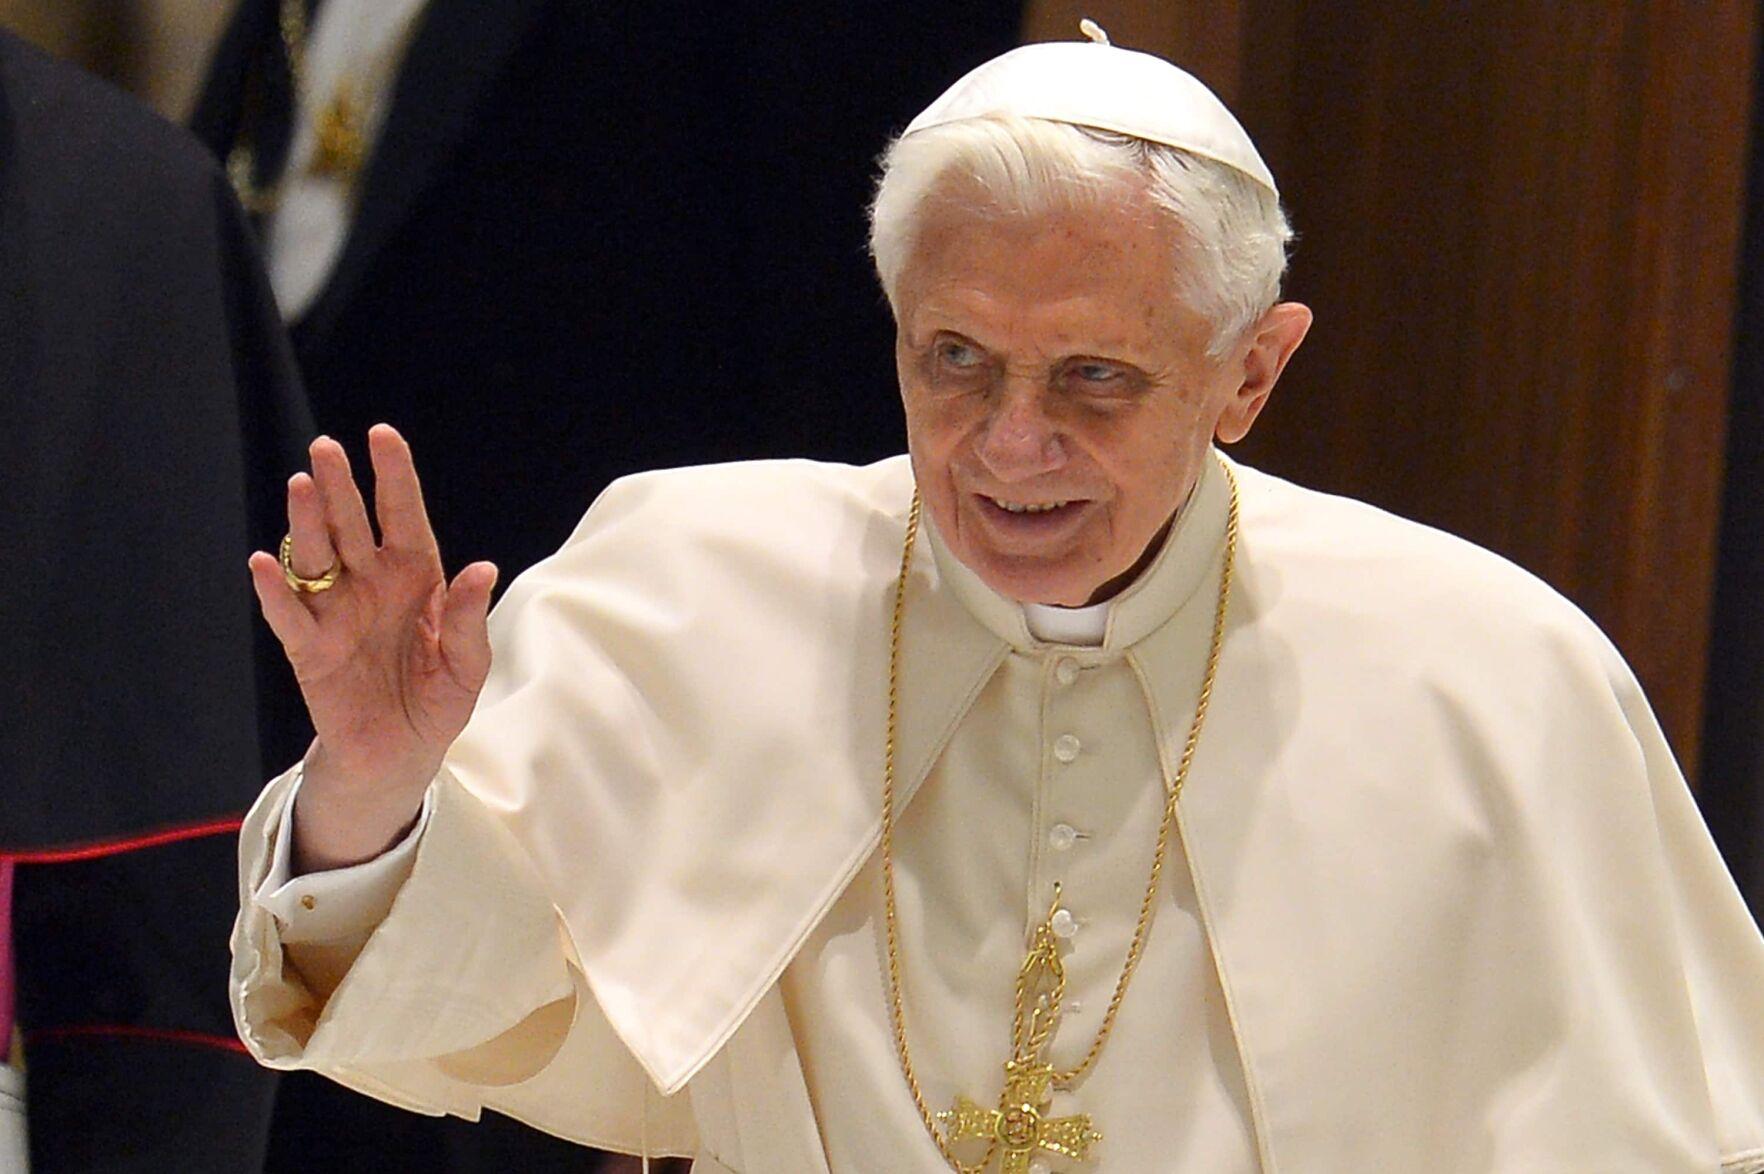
<point>1059,398</point>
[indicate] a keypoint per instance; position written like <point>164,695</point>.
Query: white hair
<point>1234,233</point>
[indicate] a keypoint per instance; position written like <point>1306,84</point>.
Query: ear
<point>1272,341</point>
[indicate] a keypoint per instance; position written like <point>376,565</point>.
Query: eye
<point>1091,371</point>
<point>958,354</point>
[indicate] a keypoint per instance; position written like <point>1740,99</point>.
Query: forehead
<point>1103,265</point>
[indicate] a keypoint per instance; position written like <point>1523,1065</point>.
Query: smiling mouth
<point>1024,518</point>
<point>1028,507</point>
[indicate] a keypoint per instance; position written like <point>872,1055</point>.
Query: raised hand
<point>390,658</point>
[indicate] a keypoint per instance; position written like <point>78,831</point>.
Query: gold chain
<point>1147,905</point>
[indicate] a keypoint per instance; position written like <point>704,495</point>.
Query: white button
<point>1040,1167</point>
<point>1063,923</point>
<point>1073,1007</point>
<point>1066,747</point>
<point>1062,836</point>
<point>1066,671</point>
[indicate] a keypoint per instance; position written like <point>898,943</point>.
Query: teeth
<point>1014,507</point>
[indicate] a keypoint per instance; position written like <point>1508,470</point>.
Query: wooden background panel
<point>1518,225</point>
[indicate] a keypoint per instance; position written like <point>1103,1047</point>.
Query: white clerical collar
<point>1082,626</point>
<point>1180,568</point>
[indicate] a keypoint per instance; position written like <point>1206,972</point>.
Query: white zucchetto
<point>1095,84</point>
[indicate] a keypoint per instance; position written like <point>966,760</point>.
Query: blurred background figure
<point>558,242</point>
<point>151,411</point>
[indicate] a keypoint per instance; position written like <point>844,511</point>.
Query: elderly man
<point>1061,796</point>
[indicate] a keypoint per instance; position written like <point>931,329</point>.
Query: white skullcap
<point>1094,84</point>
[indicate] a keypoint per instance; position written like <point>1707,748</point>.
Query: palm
<point>391,659</point>
<point>373,676</point>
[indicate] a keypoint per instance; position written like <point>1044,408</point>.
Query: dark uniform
<point>151,412</point>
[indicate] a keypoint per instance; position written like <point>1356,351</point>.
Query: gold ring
<point>300,582</point>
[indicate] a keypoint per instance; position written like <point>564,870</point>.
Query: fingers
<point>286,615</point>
<point>398,496</point>
<point>464,631</point>
<point>310,549</point>
<point>345,513</point>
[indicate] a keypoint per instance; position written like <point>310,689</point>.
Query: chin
<point>1032,584</point>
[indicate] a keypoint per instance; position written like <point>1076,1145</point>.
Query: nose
<point>1019,440</point>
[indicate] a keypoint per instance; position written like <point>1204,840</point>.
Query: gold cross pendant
<point>341,146</point>
<point>1019,1126</point>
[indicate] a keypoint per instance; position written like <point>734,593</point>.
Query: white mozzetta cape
<point>1463,910</point>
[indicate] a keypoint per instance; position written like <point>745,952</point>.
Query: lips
<point>1028,523</point>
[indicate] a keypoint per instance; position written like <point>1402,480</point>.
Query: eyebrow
<point>934,319</point>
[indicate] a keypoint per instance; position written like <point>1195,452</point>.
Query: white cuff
<point>339,903</point>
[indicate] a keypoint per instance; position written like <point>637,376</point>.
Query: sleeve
<point>324,918</point>
<point>465,996</point>
<point>340,903</point>
<point>1721,948</point>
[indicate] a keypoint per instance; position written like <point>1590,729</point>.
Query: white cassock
<point>1441,900</point>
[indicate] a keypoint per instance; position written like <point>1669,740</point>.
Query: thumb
<point>465,632</point>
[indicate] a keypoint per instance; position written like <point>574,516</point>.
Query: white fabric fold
<point>590,740</point>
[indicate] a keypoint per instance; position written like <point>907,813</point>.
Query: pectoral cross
<point>341,145</point>
<point>1020,1126</point>
<point>1020,1129</point>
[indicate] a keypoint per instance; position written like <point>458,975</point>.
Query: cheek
<point>931,444</point>
<point>1122,441</point>
<point>936,425</point>
<point>937,492</point>
<point>1148,458</point>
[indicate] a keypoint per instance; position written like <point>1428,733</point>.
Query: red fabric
<point>92,850</point>
<point>5,959</point>
<point>128,1031</point>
